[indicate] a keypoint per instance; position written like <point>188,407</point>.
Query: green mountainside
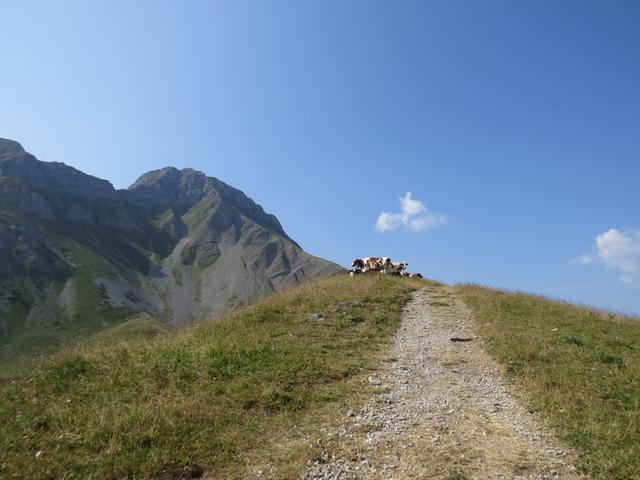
<point>78,256</point>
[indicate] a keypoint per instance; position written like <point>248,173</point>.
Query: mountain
<point>77,255</point>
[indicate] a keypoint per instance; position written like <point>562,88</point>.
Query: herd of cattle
<point>382,265</point>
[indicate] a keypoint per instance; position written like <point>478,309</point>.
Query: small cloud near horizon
<point>413,216</point>
<point>616,250</point>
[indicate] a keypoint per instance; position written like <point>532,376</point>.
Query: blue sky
<point>515,125</point>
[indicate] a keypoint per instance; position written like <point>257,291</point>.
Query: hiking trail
<point>446,411</point>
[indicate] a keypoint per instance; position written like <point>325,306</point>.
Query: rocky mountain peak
<point>180,190</point>
<point>169,177</point>
<point>169,188</point>
<point>50,177</point>
<point>10,149</point>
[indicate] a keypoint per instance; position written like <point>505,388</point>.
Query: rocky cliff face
<point>76,255</point>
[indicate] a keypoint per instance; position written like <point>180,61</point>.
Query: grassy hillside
<point>225,398</point>
<point>578,367</point>
<point>39,284</point>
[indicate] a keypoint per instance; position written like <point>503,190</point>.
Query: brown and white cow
<point>371,263</point>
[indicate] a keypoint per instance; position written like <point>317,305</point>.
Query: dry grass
<point>221,399</point>
<point>578,367</point>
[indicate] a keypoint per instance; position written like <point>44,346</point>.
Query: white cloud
<point>413,215</point>
<point>388,221</point>
<point>618,251</point>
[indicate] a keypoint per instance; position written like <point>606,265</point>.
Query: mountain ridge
<point>179,245</point>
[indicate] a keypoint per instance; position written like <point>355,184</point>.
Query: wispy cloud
<point>616,250</point>
<point>413,215</point>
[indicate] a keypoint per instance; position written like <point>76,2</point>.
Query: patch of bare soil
<point>444,411</point>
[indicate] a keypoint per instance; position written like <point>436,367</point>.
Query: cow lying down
<point>412,275</point>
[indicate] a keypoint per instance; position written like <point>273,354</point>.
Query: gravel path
<point>445,412</point>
